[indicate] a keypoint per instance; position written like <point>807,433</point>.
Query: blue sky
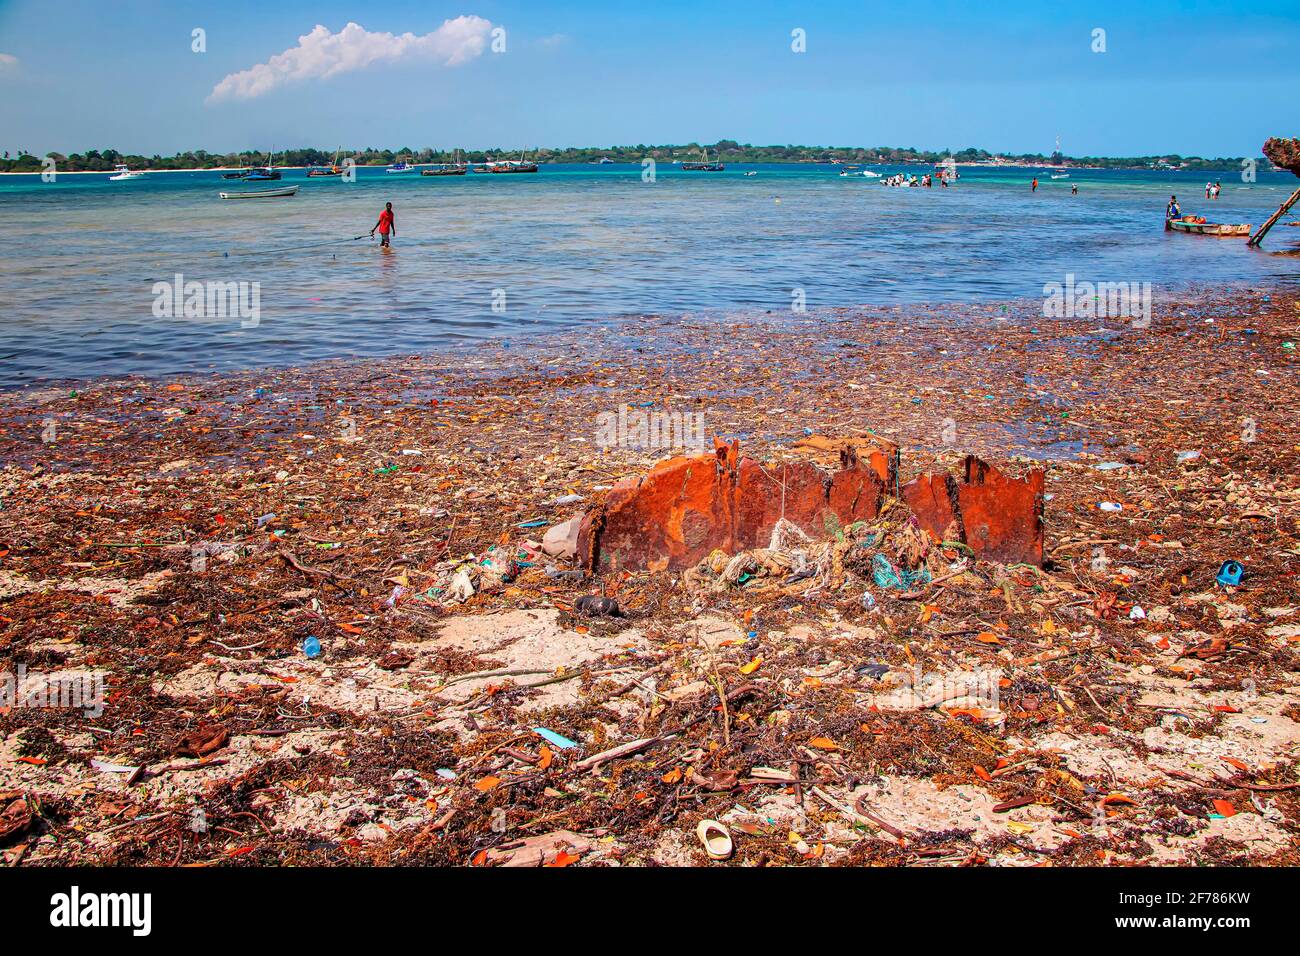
<point>1186,77</point>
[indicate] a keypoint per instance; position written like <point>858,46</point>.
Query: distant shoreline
<point>963,165</point>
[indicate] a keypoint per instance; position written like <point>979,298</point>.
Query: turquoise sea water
<point>569,245</point>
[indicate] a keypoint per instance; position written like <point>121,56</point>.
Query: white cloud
<point>8,63</point>
<point>321,54</point>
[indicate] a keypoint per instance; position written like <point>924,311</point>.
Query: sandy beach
<point>193,540</point>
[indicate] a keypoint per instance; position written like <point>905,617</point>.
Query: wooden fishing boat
<point>704,167</point>
<point>333,169</point>
<point>262,193</point>
<point>239,174</point>
<point>519,165</point>
<point>455,168</point>
<point>1221,230</point>
<point>263,173</point>
<point>513,166</point>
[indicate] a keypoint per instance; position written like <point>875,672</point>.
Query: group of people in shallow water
<point>926,181</point>
<point>1212,189</point>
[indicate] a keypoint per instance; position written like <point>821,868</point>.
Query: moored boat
<point>705,166</point>
<point>121,172</point>
<point>402,167</point>
<point>260,174</point>
<point>1195,227</point>
<point>455,168</point>
<point>262,193</point>
<point>519,165</point>
<point>333,169</point>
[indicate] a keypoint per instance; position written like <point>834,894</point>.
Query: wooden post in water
<point>1272,221</point>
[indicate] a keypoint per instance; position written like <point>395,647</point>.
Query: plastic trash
<point>1137,614</point>
<point>887,576</point>
<point>551,737</point>
<point>1110,506</point>
<point>594,605</point>
<point>1230,573</point>
<point>266,519</point>
<point>868,600</point>
<point>874,671</point>
<point>1188,455</point>
<point>311,646</point>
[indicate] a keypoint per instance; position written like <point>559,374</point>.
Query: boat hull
<point>262,193</point>
<point>1216,229</point>
<point>443,172</point>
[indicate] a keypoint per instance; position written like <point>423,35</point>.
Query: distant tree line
<point>727,150</point>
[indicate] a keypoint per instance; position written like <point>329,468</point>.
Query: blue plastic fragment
<point>311,647</point>
<point>551,737</point>
<point>1230,574</point>
<point>886,576</point>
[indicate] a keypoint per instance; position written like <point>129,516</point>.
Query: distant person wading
<point>387,223</point>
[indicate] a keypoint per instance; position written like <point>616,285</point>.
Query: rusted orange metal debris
<point>998,517</point>
<point>684,508</point>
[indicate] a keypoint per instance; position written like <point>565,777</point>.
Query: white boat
<point>402,168</point>
<point>262,193</point>
<point>752,172</point>
<point>1060,175</point>
<point>122,172</point>
<point>866,173</point>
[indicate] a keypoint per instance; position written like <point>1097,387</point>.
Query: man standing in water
<point>385,224</point>
<point>1033,187</point>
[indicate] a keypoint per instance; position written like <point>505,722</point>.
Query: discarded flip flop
<point>716,839</point>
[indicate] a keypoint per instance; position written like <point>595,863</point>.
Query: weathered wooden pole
<point>1272,221</point>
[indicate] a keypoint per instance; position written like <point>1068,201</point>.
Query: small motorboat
<point>239,174</point>
<point>402,168</point>
<point>864,173</point>
<point>752,172</point>
<point>121,172</point>
<point>1197,226</point>
<point>1060,175</point>
<point>262,193</point>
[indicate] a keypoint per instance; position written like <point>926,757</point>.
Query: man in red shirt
<point>385,224</point>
